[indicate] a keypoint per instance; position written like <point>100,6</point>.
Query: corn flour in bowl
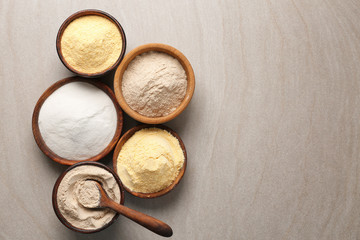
<point>150,161</point>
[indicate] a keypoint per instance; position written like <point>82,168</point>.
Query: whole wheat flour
<point>154,84</point>
<point>67,197</point>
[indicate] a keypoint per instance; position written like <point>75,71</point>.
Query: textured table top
<point>272,132</point>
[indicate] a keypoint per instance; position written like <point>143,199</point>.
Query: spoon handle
<point>146,221</point>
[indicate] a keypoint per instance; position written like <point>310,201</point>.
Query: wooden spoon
<point>144,220</point>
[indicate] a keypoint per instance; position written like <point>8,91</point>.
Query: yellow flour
<point>91,44</point>
<point>150,160</point>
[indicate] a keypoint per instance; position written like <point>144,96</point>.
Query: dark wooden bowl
<point>35,126</point>
<point>81,14</point>
<point>56,207</point>
<point>159,48</point>
<point>126,137</point>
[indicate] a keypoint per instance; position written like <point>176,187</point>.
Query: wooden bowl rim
<point>81,14</point>
<point>129,134</point>
<point>35,126</point>
<point>160,48</point>
<point>56,207</point>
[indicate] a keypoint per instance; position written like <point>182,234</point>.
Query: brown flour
<point>69,206</point>
<point>88,194</point>
<point>154,84</point>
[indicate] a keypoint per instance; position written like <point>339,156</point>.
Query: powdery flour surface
<point>154,84</point>
<point>67,197</point>
<point>77,121</point>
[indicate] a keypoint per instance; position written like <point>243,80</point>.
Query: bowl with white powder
<point>154,83</point>
<point>74,190</point>
<point>150,160</point>
<point>77,120</point>
<point>91,43</point>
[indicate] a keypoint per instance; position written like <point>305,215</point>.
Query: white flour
<point>77,121</point>
<point>154,84</point>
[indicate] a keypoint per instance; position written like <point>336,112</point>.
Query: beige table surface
<point>272,133</point>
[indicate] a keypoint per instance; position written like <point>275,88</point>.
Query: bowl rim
<point>82,13</point>
<point>160,48</point>
<point>129,134</point>
<point>56,207</point>
<point>35,123</point>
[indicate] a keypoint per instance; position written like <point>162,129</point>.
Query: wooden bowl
<point>35,126</point>
<point>126,137</point>
<point>81,14</point>
<point>159,48</point>
<point>56,207</point>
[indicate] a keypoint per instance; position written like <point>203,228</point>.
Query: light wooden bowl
<point>36,131</point>
<point>56,207</point>
<point>126,137</point>
<point>81,14</point>
<point>159,48</point>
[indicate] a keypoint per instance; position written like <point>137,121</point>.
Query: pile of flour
<point>88,194</point>
<point>154,84</point>
<point>77,121</point>
<point>150,160</point>
<point>73,210</point>
<point>91,44</point>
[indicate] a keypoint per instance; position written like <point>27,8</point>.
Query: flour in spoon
<point>88,194</point>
